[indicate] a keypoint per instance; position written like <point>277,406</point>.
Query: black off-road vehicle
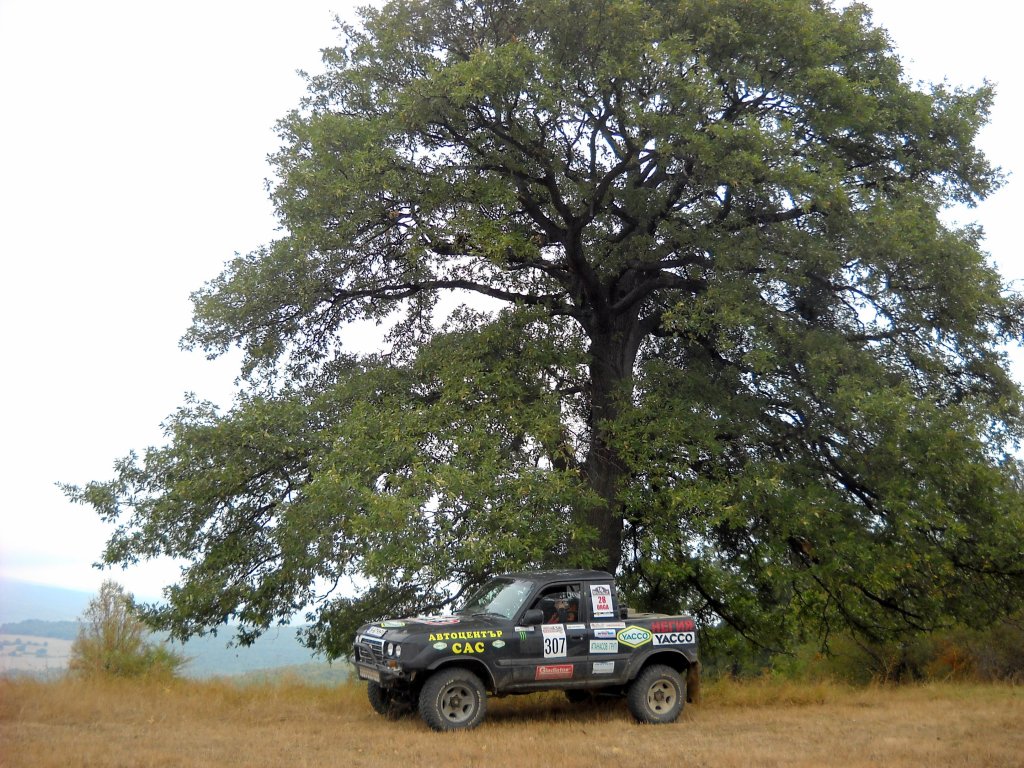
<point>525,632</point>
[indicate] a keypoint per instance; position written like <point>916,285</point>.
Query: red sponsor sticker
<point>554,672</point>
<point>672,625</point>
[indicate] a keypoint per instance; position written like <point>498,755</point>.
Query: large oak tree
<point>667,290</point>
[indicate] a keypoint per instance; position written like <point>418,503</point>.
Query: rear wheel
<point>657,695</point>
<point>453,699</point>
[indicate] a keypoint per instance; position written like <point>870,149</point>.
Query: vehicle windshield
<point>502,597</point>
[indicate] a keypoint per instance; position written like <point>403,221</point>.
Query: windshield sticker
<point>554,672</point>
<point>604,667</point>
<point>393,624</point>
<point>673,638</point>
<point>601,597</point>
<point>634,637</point>
<point>554,640</point>
<point>604,646</point>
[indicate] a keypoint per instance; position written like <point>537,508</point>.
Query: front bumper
<point>373,666</point>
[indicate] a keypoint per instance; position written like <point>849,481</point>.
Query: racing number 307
<point>554,645</point>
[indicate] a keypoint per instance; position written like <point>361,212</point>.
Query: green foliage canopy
<point>667,291</point>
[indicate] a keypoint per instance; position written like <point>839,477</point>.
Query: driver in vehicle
<point>564,610</point>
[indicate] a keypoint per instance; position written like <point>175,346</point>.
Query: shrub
<point>113,641</point>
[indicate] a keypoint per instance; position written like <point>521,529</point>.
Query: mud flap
<point>693,683</point>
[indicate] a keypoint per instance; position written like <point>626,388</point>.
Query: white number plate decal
<point>554,640</point>
<point>369,674</point>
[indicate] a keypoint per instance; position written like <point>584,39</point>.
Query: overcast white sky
<point>133,138</point>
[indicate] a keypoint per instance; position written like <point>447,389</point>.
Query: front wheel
<point>389,703</point>
<point>453,699</point>
<point>657,695</point>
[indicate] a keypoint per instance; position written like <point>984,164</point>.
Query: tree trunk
<point>613,353</point>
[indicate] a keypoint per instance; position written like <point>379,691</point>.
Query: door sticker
<point>601,597</point>
<point>554,672</point>
<point>554,640</point>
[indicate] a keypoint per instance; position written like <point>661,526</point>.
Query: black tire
<point>657,695</point>
<point>453,699</point>
<point>389,703</point>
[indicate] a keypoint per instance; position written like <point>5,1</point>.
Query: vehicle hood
<point>435,627</point>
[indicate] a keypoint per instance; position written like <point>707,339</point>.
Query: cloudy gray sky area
<point>133,138</point>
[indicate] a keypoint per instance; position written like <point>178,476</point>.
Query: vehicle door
<point>606,657</point>
<point>557,648</point>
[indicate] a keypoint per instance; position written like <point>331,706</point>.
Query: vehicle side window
<point>560,603</point>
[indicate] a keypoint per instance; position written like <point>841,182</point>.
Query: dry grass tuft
<point>111,723</point>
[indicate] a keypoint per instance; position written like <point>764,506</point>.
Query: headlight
<point>389,649</point>
<point>398,651</point>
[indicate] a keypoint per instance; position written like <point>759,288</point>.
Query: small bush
<point>112,640</point>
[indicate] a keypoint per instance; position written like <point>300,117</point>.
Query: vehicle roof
<point>562,574</point>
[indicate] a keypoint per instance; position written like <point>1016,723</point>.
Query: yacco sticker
<point>673,638</point>
<point>664,626</point>
<point>438,621</point>
<point>554,672</point>
<point>603,667</point>
<point>604,646</point>
<point>392,624</point>
<point>376,631</point>
<point>607,624</point>
<point>601,597</point>
<point>604,634</point>
<point>554,640</point>
<point>479,634</point>
<point>440,646</point>
<point>498,644</point>
<point>634,637</point>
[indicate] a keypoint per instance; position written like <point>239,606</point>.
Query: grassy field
<point>189,723</point>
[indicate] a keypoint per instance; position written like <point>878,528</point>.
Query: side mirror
<point>533,617</point>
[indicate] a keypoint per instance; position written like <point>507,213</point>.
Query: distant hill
<point>279,647</point>
<point>58,630</point>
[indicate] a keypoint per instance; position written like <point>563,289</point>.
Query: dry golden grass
<point>187,723</point>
